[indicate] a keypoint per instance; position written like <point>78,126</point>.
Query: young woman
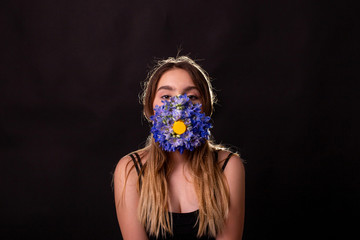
<point>180,189</point>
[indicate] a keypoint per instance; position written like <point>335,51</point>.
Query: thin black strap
<point>135,164</point>
<point>216,155</point>
<point>226,161</point>
<point>139,161</point>
<point>138,165</point>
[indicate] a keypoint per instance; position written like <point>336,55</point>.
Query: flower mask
<point>179,124</point>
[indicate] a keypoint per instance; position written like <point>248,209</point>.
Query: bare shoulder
<point>235,175</point>
<point>234,170</point>
<point>234,163</point>
<point>122,164</point>
<point>127,161</point>
<point>124,181</point>
<point>125,168</point>
<point>126,196</point>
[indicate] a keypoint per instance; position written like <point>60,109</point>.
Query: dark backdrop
<point>285,74</point>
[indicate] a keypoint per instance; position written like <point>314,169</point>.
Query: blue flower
<point>178,124</point>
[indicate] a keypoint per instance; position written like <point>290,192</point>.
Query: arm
<point>235,175</point>
<point>126,206</point>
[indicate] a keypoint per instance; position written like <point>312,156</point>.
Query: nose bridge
<point>178,92</point>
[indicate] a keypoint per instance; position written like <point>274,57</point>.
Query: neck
<point>177,158</point>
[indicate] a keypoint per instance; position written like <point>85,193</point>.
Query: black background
<point>285,74</point>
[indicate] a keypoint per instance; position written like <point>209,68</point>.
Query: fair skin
<point>182,197</point>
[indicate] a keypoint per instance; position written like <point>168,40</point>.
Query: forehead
<point>177,78</point>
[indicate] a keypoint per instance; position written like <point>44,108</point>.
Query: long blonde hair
<point>209,182</point>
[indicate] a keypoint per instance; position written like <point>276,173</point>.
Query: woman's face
<point>176,82</point>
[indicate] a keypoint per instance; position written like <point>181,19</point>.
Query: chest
<point>182,194</point>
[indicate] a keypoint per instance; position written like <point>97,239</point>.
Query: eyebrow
<point>167,87</point>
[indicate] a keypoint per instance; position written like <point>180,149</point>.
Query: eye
<point>193,97</point>
<point>165,97</point>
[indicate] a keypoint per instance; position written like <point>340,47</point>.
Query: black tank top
<point>184,224</point>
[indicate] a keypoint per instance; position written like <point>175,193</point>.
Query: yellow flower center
<point>179,127</point>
